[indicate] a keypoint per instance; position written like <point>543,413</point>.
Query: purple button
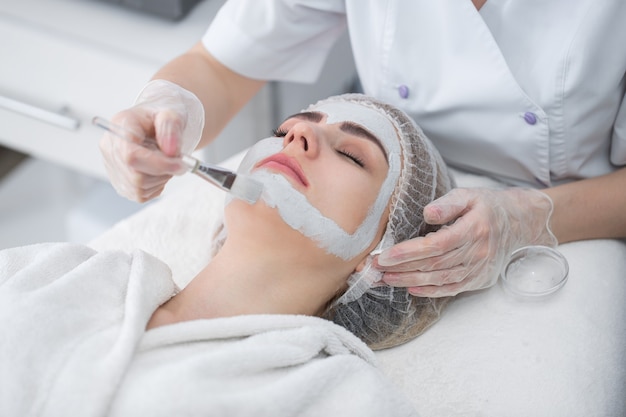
<point>530,118</point>
<point>403,90</point>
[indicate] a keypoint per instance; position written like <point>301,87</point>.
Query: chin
<point>260,224</point>
<point>255,219</point>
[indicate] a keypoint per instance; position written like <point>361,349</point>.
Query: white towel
<point>256,366</point>
<point>74,344</point>
<point>70,320</point>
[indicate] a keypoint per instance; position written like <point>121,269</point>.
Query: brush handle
<point>190,162</point>
<point>214,174</point>
<point>123,133</point>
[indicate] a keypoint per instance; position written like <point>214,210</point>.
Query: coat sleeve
<point>286,40</point>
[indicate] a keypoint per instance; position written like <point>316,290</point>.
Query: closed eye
<point>353,158</point>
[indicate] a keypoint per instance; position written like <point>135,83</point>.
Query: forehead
<point>374,121</point>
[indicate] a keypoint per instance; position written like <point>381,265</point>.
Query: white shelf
<point>82,58</point>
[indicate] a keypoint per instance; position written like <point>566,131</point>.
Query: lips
<point>286,165</point>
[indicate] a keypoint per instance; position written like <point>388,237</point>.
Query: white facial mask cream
<point>299,213</point>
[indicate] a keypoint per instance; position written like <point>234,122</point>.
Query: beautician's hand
<point>163,111</point>
<point>470,253</point>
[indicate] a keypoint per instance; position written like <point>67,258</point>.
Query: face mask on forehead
<point>301,215</point>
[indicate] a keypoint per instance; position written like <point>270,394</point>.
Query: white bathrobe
<point>73,344</point>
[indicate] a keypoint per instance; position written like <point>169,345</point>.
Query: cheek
<point>346,199</point>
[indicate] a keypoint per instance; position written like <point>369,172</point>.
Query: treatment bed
<point>491,354</point>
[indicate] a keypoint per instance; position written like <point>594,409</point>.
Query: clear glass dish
<point>535,271</point>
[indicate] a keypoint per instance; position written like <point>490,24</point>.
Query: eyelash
<point>353,157</point>
<point>280,133</point>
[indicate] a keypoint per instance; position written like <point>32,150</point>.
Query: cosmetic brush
<point>238,185</point>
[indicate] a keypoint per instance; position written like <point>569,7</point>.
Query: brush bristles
<point>247,189</point>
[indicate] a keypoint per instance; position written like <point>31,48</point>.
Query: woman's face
<point>323,171</point>
<point>338,167</point>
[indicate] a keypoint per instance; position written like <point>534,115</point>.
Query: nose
<point>303,136</point>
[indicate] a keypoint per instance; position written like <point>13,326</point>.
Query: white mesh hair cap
<point>380,315</point>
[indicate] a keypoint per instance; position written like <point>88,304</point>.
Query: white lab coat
<point>527,91</point>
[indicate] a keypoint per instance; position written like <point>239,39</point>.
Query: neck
<point>479,3</point>
<point>245,279</point>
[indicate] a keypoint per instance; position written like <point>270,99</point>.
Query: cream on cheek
<point>300,214</point>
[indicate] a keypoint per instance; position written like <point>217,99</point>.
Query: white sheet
<point>493,355</point>
<point>490,355</point>
<point>74,344</point>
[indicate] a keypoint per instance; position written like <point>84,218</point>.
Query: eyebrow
<point>311,116</point>
<point>356,130</point>
<point>347,127</point>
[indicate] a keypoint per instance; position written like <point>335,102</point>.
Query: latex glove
<point>469,254</point>
<point>163,111</point>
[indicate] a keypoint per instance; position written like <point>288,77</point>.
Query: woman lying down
<point>277,323</point>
